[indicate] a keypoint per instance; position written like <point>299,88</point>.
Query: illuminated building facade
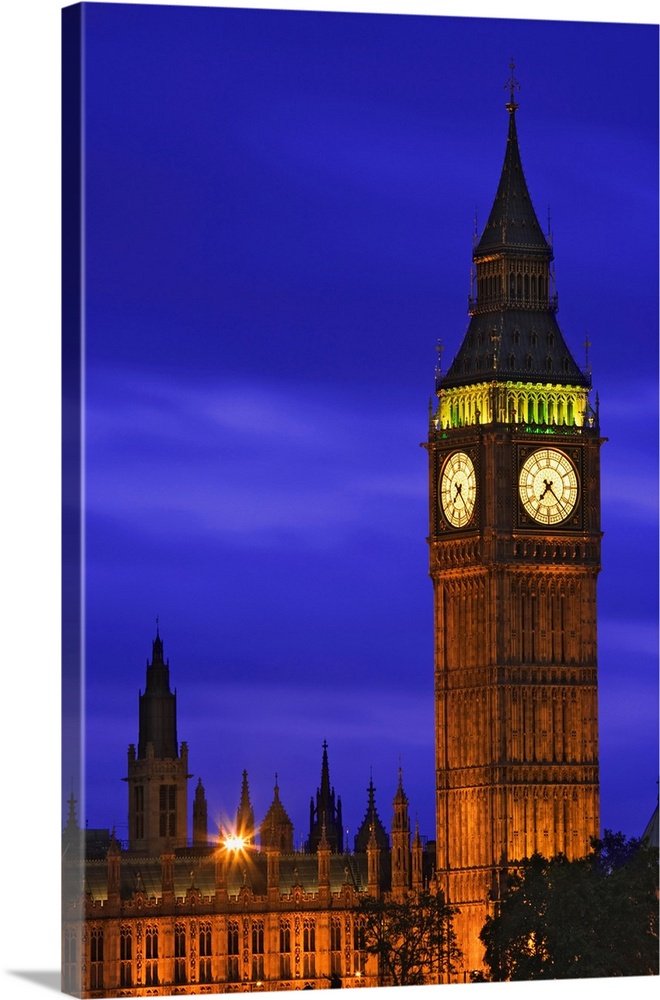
<point>243,912</point>
<point>514,558</point>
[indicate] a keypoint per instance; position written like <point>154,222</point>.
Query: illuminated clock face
<point>548,486</point>
<point>458,489</point>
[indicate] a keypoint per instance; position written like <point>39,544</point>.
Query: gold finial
<point>512,85</point>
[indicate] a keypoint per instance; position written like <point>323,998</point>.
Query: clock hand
<point>548,486</point>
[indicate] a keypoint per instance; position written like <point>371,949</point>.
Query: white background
<point>30,484</point>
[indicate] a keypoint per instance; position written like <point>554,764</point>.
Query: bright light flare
<point>234,843</point>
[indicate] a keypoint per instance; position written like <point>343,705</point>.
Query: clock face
<point>458,489</point>
<point>548,485</point>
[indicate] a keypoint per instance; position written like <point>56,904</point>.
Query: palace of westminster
<point>514,503</point>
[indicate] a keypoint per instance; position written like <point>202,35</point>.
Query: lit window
<point>126,957</point>
<point>180,953</point>
<point>309,949</point>
<point>257,950</point>
<point>151,956</point>
<point>335,946</point>
<point>233,944</point>
<point>285,950</point>
<point>205,975</point>
<point>167,804</point>
<point>96,958</point>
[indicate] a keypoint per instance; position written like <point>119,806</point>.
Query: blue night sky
<point>280,209</point>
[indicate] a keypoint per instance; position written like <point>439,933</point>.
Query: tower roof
<point>276,829</point>
<point>158,707</point>
<point>371,825</point>
<point>512,222</point>
<point>513,334</point>
<point>514,345</point>
<point>277,814</point>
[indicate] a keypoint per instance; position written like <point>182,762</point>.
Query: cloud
<point>223,460</point>
<point>366,715</point>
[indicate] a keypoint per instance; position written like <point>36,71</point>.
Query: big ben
<point>514,497</point>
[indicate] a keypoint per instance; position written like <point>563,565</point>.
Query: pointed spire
<point>245,813</point>
<point>325,773</point>
<point>371,801</point>
<point>400,819</point>
<point>200,815</point>
<point>325,806</point>
<point>71,820</point>
<point>157,646</point>
<point>512,222</point>
<point>371,826</point>
<point>400,797</point>
<point>513,335</point>
<point>158,707</point>
<point>276,830</point>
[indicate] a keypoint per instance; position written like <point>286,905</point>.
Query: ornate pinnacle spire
<point>245,814</point>
<point>512,85</point>
<point>400,794</point>
<point>71,821</point>
<point>157,647</point>
<point>327,807</point>
<point>325,772</point>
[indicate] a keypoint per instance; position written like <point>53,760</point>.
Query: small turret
<point>114,871</point>
<point>400,842</point>
<point>323,855</point>
<point>417,853</point>
<point>373,865</point>
<point>200,816</point>
<point>276,830</point>
<point>245,826</point>
<point>371,825</point>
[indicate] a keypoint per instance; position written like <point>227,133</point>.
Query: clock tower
<point>514,558</point>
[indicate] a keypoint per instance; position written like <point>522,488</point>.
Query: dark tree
<point>413,938</point>
<point>593,917</point>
